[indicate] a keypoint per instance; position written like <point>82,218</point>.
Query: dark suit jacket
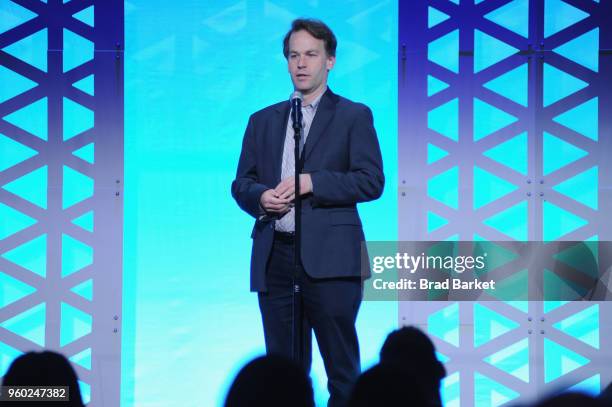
<point>343,157</point>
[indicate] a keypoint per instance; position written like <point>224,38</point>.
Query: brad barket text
<point>425,284</point>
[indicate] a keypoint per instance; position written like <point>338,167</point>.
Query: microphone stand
<point>298,316</point>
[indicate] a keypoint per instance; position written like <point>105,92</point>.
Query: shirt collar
<point>315,103</point>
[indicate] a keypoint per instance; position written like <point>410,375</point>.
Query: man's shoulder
<point>351,106</point>
<point>268,110</point>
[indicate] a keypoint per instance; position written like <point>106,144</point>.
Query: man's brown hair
<point>317,29</point>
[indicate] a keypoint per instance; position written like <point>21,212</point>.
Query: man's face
<point>308,62</point>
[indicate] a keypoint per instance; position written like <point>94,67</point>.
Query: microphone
<point>296,109</point>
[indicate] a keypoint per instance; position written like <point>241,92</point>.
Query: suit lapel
<point>324,115</point>
<point>279,132</point>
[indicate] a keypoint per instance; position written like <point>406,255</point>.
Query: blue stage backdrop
<point>194,72</point>
<point>61,184</point>
<point>505,106</point>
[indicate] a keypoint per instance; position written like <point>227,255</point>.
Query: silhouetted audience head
<point>414,353</point>
<point>570,399</point>
<point>271,381</point>
<point>411,346</point>
<point>606,395</point>
<point>386,386</point>
<point>44,369</point>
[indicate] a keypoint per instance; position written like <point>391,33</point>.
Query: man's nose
<point>301,62</point>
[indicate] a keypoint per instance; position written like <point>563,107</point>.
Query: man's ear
<point>331,61</point>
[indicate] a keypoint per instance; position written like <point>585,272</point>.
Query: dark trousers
<point>330,308</point>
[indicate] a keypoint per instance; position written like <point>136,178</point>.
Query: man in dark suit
<point>342,166</point>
